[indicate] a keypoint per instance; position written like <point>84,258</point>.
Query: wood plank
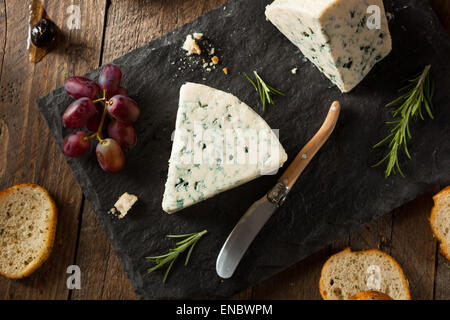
<point>414,247</point>
<point>117,286</point>
<point>4,133</point>
<point>442,279</point>
<point>3,30</point>
<point>32,154</point>
<point>301,281</point>
<point>102,274</point>
<point>130,24</point>
<point>442,275</point>
<point>377,234</point>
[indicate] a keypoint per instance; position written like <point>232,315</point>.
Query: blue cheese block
<point>219,143</point>
<point>343,38</point>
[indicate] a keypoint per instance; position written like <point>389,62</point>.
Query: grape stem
<point>98,100</point>
<point>105,103</point>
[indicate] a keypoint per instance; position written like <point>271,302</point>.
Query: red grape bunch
<point>100,106</point>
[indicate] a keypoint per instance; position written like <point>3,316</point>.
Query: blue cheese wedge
<point>343,38</point>
<point>219,143</point>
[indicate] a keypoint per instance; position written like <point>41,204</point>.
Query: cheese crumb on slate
<point>389,16</point>
<point>215,60</point>
<point>125,203</point>
<point>198,36</point>
<point>200,55</point>
<point>191,46</point>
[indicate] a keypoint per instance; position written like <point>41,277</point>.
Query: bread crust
<point>370,295</point>
<point>444,247</point>
<point>349,251</point>
<point>46,251</point>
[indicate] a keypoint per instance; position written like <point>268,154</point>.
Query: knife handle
<point>299,164</point>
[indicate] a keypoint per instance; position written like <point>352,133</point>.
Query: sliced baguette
<point>440,220</point>
<point>28,218</point>
<point>370,295</point>
<point>348,273</point>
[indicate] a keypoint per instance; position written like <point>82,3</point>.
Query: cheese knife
<point>259,213</point>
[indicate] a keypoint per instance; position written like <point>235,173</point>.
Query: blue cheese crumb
<point>124,204</point>
<point>191,46</point>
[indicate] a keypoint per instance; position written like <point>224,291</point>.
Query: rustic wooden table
<point>28,153</point>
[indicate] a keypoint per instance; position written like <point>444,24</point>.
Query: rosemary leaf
<point>189,253</point>
<point>414,98</point>
<point>265,91</point>
<point>181,246</point>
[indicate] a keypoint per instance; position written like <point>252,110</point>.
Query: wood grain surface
<point>28,153</point>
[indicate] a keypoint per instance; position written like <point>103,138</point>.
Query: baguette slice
<point>28,218</point>
<point>440,220</point>
<point>370,295</point>
<point>348,273</point>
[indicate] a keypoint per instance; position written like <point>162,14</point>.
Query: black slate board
<point>338,192</point>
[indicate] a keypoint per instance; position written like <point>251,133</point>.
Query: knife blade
<point>260,212</point>
<point>243,235</point>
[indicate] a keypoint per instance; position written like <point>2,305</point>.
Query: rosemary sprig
<point>415,97</point>
<point>265,91</point>
<point>189,242</point>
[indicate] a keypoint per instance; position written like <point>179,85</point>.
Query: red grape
<point>75,145</point>
<point>84,112</point>
<point>123,133</point>
<point>80,87</point>
<point>110,156</point>
<point>123,109</point>
<point>78,113</point>
<point>123,92</point>
<point>94,122</point>
<point>110,78</point>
